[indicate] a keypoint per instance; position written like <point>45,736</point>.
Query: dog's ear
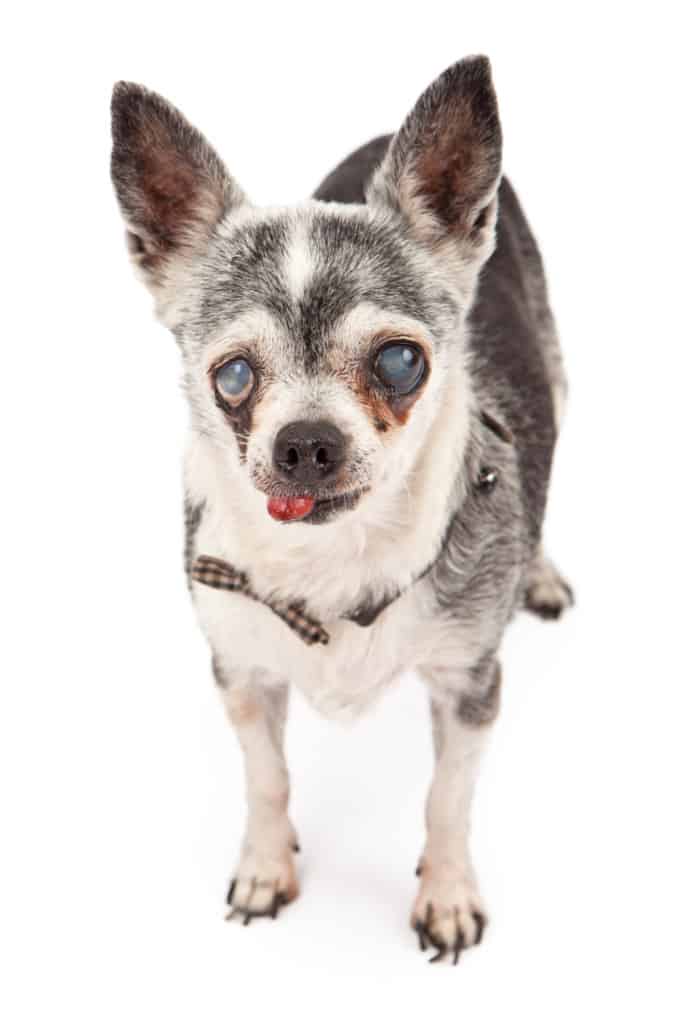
<point>442,169</point>
<point>171,186</point>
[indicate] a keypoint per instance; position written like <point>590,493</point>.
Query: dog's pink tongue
<point>286,509</point>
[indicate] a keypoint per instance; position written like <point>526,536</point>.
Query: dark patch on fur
<point>509,362</point>
<point>499,429</point>
<point>240,420</point>
<point>221,678</point>
<point>348,181</point>
<point>353,175</point>
<point>480,707</point>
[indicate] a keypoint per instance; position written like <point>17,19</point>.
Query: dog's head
<point>321,341</point>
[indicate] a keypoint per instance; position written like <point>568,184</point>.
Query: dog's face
<point>318,341</point>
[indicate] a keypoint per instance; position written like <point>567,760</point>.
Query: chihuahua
<point>375,385</point>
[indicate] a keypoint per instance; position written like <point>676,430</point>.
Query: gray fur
<point>356,261</point>
<point>480,706</point>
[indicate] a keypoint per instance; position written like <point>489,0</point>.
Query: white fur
<point>299,263</point>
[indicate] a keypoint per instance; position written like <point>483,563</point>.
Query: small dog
<point>375,385</point>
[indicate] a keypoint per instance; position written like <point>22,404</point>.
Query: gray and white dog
<point>375,386</point>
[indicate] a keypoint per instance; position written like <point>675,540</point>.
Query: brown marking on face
<point>390,412</point>
<point>384,409</point>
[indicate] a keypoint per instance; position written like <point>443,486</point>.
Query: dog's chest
<point>328,573</point>
<point>339,679</point>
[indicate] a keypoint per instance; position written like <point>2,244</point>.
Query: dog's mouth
<point>306,508</point>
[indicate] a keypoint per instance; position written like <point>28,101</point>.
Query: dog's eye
<point>234,381</point>
<point>400,367</point>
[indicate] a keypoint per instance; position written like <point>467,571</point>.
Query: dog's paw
<point>547,594</point>
<point>447,914</point>
<point>265,880</point>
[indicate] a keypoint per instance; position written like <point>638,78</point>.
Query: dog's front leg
<point>265,877</point>
<point>448,912</point>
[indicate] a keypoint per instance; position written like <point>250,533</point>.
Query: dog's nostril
<point>309,452</point>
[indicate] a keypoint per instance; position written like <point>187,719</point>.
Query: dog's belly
<point>340,679</point>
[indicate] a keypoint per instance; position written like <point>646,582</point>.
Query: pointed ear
<point>443,167</point>
<point>171,186</point>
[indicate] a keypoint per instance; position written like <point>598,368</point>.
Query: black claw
<point>480,922</point>
<point>231,891</point>
<point>439,955</point>
<point>418,870</point>
<point>459,944</point>
<point>247,919</point>
<point>421,937</point>
<point>296,848</point>
<point>279,900</point>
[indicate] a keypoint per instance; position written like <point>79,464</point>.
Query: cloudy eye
<point>400,367</point>
<point>234,381</point>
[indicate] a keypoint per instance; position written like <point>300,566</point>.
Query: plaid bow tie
<point>215,573</point>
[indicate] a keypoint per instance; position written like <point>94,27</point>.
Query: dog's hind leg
<point>265,877</point>
<point>546,593</point>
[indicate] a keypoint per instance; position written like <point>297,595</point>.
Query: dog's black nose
<point>309,452</point>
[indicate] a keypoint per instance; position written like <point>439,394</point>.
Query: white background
<point>121,781</point>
